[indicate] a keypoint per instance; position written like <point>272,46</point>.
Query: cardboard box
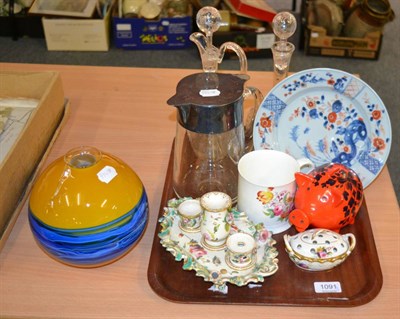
<point>317,42</point>
<point>165,33</point>
<point>22,161</point>
<point>71,34</point>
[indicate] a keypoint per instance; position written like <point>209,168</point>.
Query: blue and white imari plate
<point>327,116</point>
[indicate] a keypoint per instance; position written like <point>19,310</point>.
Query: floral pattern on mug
<point>265,196</point>
<point>276,205</point>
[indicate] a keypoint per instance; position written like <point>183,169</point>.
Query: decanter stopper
<point>284,25</point>
<point>208,20</point>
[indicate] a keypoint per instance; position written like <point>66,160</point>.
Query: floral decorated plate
<point>326,115</point>
<point>210,264</point>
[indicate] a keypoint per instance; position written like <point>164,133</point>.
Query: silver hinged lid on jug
<point>209,103</point>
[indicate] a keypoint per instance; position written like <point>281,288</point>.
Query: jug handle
<point>239,52</point>
<point>249,120</point>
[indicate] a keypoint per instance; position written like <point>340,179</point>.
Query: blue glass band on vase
<point>91,247</point>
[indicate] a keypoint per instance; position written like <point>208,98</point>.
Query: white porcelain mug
<point>267,186</point>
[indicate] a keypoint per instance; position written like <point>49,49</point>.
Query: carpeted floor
<point>382,75</point>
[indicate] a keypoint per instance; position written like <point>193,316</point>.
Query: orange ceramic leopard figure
<point>328,197</point>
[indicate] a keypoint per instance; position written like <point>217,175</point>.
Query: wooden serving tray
<point>360,276</point>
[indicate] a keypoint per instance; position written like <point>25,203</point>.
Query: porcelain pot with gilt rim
<point>319,249</point>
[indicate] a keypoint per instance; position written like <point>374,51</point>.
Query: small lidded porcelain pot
<point>214,226</point>
<point>319,249</point>
<point>189,212</point>
<point>241,252</point>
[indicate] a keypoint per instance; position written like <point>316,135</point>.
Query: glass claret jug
<point>214,124</point>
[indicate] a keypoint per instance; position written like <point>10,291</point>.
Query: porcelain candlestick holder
<point>214,226</point>
<point>242,249</point>
<point>190,213</point>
